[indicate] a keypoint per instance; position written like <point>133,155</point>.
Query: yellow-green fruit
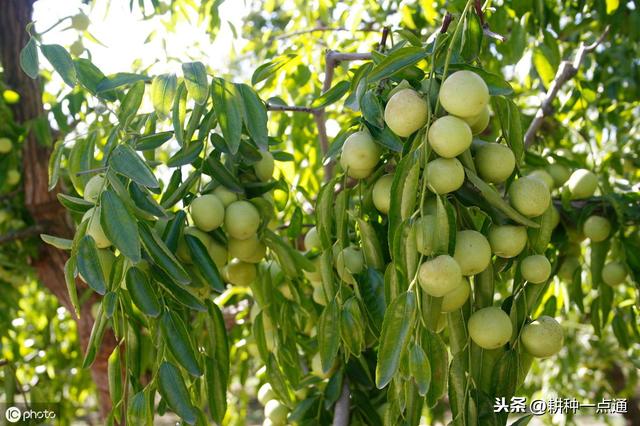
<point>536,268</point>
<point>582,184</point>
<point>314,275</point>
<point>495,162</point>
<point>568,268</point>
<point>265,394</point>
<point>596,228</point>
<point>479,122</point>
<point>449,136</point>
<point>207,212</point>
<point>614,273</point>
<point>265,167</point>
<point>312,239</point>
<point>276,412</point>
<point>490,327</point>
<point>507,240</point>
<point>427,233</point>
<point>285,290</point>
<point>240,273</point>
<point>349,261</point>
<point>95,228</point>
<point>92,188</point>
<point>382,193</point>
<point>543,176</point>
<point>559,173</point>
<point>257,255</point>
<point>555,217</point>
<point>76,48</point>
<point>406,112</point>
<point>440,275</point>
<point>472,252</point>
<point>319,296</point>
<point>360,154</point>
<point>529,196</point>
<point>316,366</point>
<point>242,220</point>
<point>543,337</point>
<point>464,93</point>
<point>5,145</point>
<point>456,297</point>
<point>13,177</point>
<point>218,253</point>
<point>444,175</point>
<point>245,249</point>
<point>11,96</point>
<point>225,195</point>
<point>80,22</point>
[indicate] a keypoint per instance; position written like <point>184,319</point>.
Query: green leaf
<point>217,334</point>
<point>174,391</point>
<point>70,281</point>
<point>371,108</point>
<point>89,264</point>
<point>420,368</point>
<point>255,115</point>
<point>29,59</point>
<point>457,381</point>
<point>385,138</point>
<point>132,101</point>
<point>179,112</point>
<point>142,293</point>
<point>195,78</point>
<point>218,171</point>
<point>119,226</point>
<point>163,90</point>
<point>186,155</point>
<point>119,79</point>
<point>81,159</point>
<point>371,246</point>
<point>177,340</point>
<point>372,291</point>
<point>331,96</point>
<point>126,162</point>
<point>227,104</point>
<point>152,141</point>
<point>265,71</point>
<point>396,327</point>
<point>114,375</point>
<point>61,62</point>
<point>204,263</point>
<point>216,382</point>
<point>162,256</point>
<point>75,204</point>
<point>54,164</point>
<point>329,335</point>
<point>438,358</point>
<point>95,338</point>
<point>57,242</point>
<point>505,375</point>
<point>395,62</point>
<point>89,76</point>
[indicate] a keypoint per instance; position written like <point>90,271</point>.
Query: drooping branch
<point>566,71</point>
<point>21,234</point>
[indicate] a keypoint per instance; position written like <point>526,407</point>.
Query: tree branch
<point>341,412</point>
<point>292,108</point>
<point>321,28</point>
<point>31,231</point>
<point>566,72</point>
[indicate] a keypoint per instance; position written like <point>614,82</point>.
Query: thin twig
<point>567,70</point>
<point>22,234</point>
<point>91,171</point>
<point>292,108</point>
<point>322,28</point>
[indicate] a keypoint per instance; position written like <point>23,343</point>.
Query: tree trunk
<point>42,204</point>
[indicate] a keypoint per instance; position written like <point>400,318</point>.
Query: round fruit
<point>444,175</point>
<point>439,276</point>
<point>559,173</point>
<point>246,250</point>
<point>479,122</point>
<point>507,240</point>
<point>449,136</point>
<point>312,239</point>
<point>240,273</point>
<point>464,93</point>
<point>207,212</point>
<point>276,412</point>
<point>225,195</point>
<point>406,112</point>
<point>596,228</point>
<point>582,184</point>
<point>349,261</point>
<point>319,296</point>
<point>76,48</point>
<point>382,193</point>
<point>265,167</point>
<point>360,154</point>
<point>93,188</point>
<point>490,327</point>
<point>456,297</point>
<point>427,233</point>
<point>614,273</point>
<point>5,145</point>
<point>265,394</point>
<point>80,22</point>
<point>568,268</point>
<point>543,337</point>
<point>218,253</point>
<point>242,220</point>
<point>95,228</point>
<point>536,268</point>
<point>529,196</point>
<point>543,176</point>
<point>555,217</point>
<point>472,252</point>
<point>495,162</point>
<point>13,177</point>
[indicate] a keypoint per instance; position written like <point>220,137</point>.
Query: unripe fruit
<point>479,122</point>
<point>543,176</point>
<point>444,175</point>
<point>490,328</point>
<point>582,184</point>
<point>80,22</point>
<point>360,154</point>
<point>456,297</point>
<point>555,217</point>
<point>92,188</point>
<point>529,196</point>
<point>568,268</point>
<point>382,194</point>
<point>246,250</point>
<point>265,394</point>
<point>312,239</point>
<point>242,220</point>
<point>543,337</point>
<point>240,273</point>
<point>507,240</point>
<point>535,269</point>
<point>225,195</point>
<point>596,228</point>
<point>95,228</point>
<point>439,276</point>
<point>495,162</point>
<point>265,167</point>
<point>349,261</point>
<point>276,412</point>
<point>427,233</point>
<point>472,252</point>
<point>207,212</point>
<point>319,296</point>
<point>614,273</point>
<point>449,136</point>
<point>464,93</point>
<point>314,276</point>
<point>406,112</point>
<point>13,177</point>
<point>76,48</point>
<point>5,145</point>
<point>559,173</point>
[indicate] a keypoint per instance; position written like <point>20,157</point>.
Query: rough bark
<point>43,206</point>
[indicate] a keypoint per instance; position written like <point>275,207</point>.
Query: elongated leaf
<point>372,291</point>
<point>204,263</point>
<point>126,162</point>
<point>265,71</point>
<point>324,214</point>
<point>331,96</point>
<point>177,339</point>
<point>89,264</point>
<point>505,375</point>
<point>131,101</point>
<point>179,112</point>
<point>216,382</point>
<point>95,338</point>
<point>114,374</point>
<point>457,381</point>
<point>329,335</point>
<point>255,115</point>
<point>142,293</point>
<point>163,90</point>
<point>186,155</point>
<point>385,138</point>
<point>396,61</point>
<point>371,108</point>
<point>180,294</point>
<point>57,242</point>
<point>119,226</point>
<point>162,256</point>
<point>195,78</point>
<point>61,61</point>
<point>81,159</point>
<point>438,358</point>
<point>117,80</point>
<point>153,141</point>
<point>70,281</point>
<point>371,245</point>
<point>219,172</point>
<point>54,164</point>
<point>29,59</point>
<point>90,77</point>
<point>396,327</point>
<point>420,369</point>
<point>75,204</point>
<point>174,391</point>
<point>144,201</point>
<point>217,334</point>
<point>228,107</point>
